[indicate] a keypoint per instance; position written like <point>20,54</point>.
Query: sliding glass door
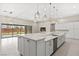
<point>9,30</point>
<point>22,30</point>
<point>12,30</point>
<point>16,30</point>
<point>6,31</point>
<point>28,29</point>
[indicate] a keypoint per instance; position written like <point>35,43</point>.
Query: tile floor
<point>9,48</point>
<point>70,48</point>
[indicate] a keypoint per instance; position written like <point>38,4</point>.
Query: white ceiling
<point>27,10</point>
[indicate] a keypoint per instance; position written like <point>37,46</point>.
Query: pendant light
<point>50,10</point>
<point>45,15</point>
<point>37,15</point>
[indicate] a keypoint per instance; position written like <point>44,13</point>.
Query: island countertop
<point>43,35</point>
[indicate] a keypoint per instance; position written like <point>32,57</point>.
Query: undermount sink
<point>54,35</point>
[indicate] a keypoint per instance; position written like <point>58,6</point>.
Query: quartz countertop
<point>43,35</point>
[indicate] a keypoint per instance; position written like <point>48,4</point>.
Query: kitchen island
<point>40,44</point>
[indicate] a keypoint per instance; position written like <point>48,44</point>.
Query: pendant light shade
<point>38,17</point>
<point>37,14</point>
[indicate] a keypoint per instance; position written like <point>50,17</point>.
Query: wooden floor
<point>70,48</point>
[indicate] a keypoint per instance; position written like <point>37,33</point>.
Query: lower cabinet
<point>60,40</point>
<point>20,45</point>
<point>49,47</point>
<point>40,48</point>
<point>28,47</point>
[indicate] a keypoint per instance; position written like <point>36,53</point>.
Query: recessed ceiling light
<point>56,9</point>
<point>11,12</point>
<point>4,11</point>
<point>44,9</point>
<point>74,6</point>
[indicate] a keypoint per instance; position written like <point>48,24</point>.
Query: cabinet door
<point>58,42</point>
<point>26,47</point>
<point>32,48</point>
<point>29,47</point>
<point>63,38</point>
<point>41,48</point>
<point>21,45</point>
<point>49,47</point>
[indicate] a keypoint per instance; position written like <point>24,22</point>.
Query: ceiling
<point>28,10</point>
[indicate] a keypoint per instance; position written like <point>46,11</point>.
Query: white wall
<point>73,28</point>
<point>35,28</point>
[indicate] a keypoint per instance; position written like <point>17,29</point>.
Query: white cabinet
<point>60,40</point>
<point>41,48</point>
<point>29,47</point>
<point>49,47</point>
<point>21,45</point>
<point>26,47</point>
<point>63,38</point>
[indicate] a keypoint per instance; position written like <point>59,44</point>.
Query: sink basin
<point>54,35</point>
